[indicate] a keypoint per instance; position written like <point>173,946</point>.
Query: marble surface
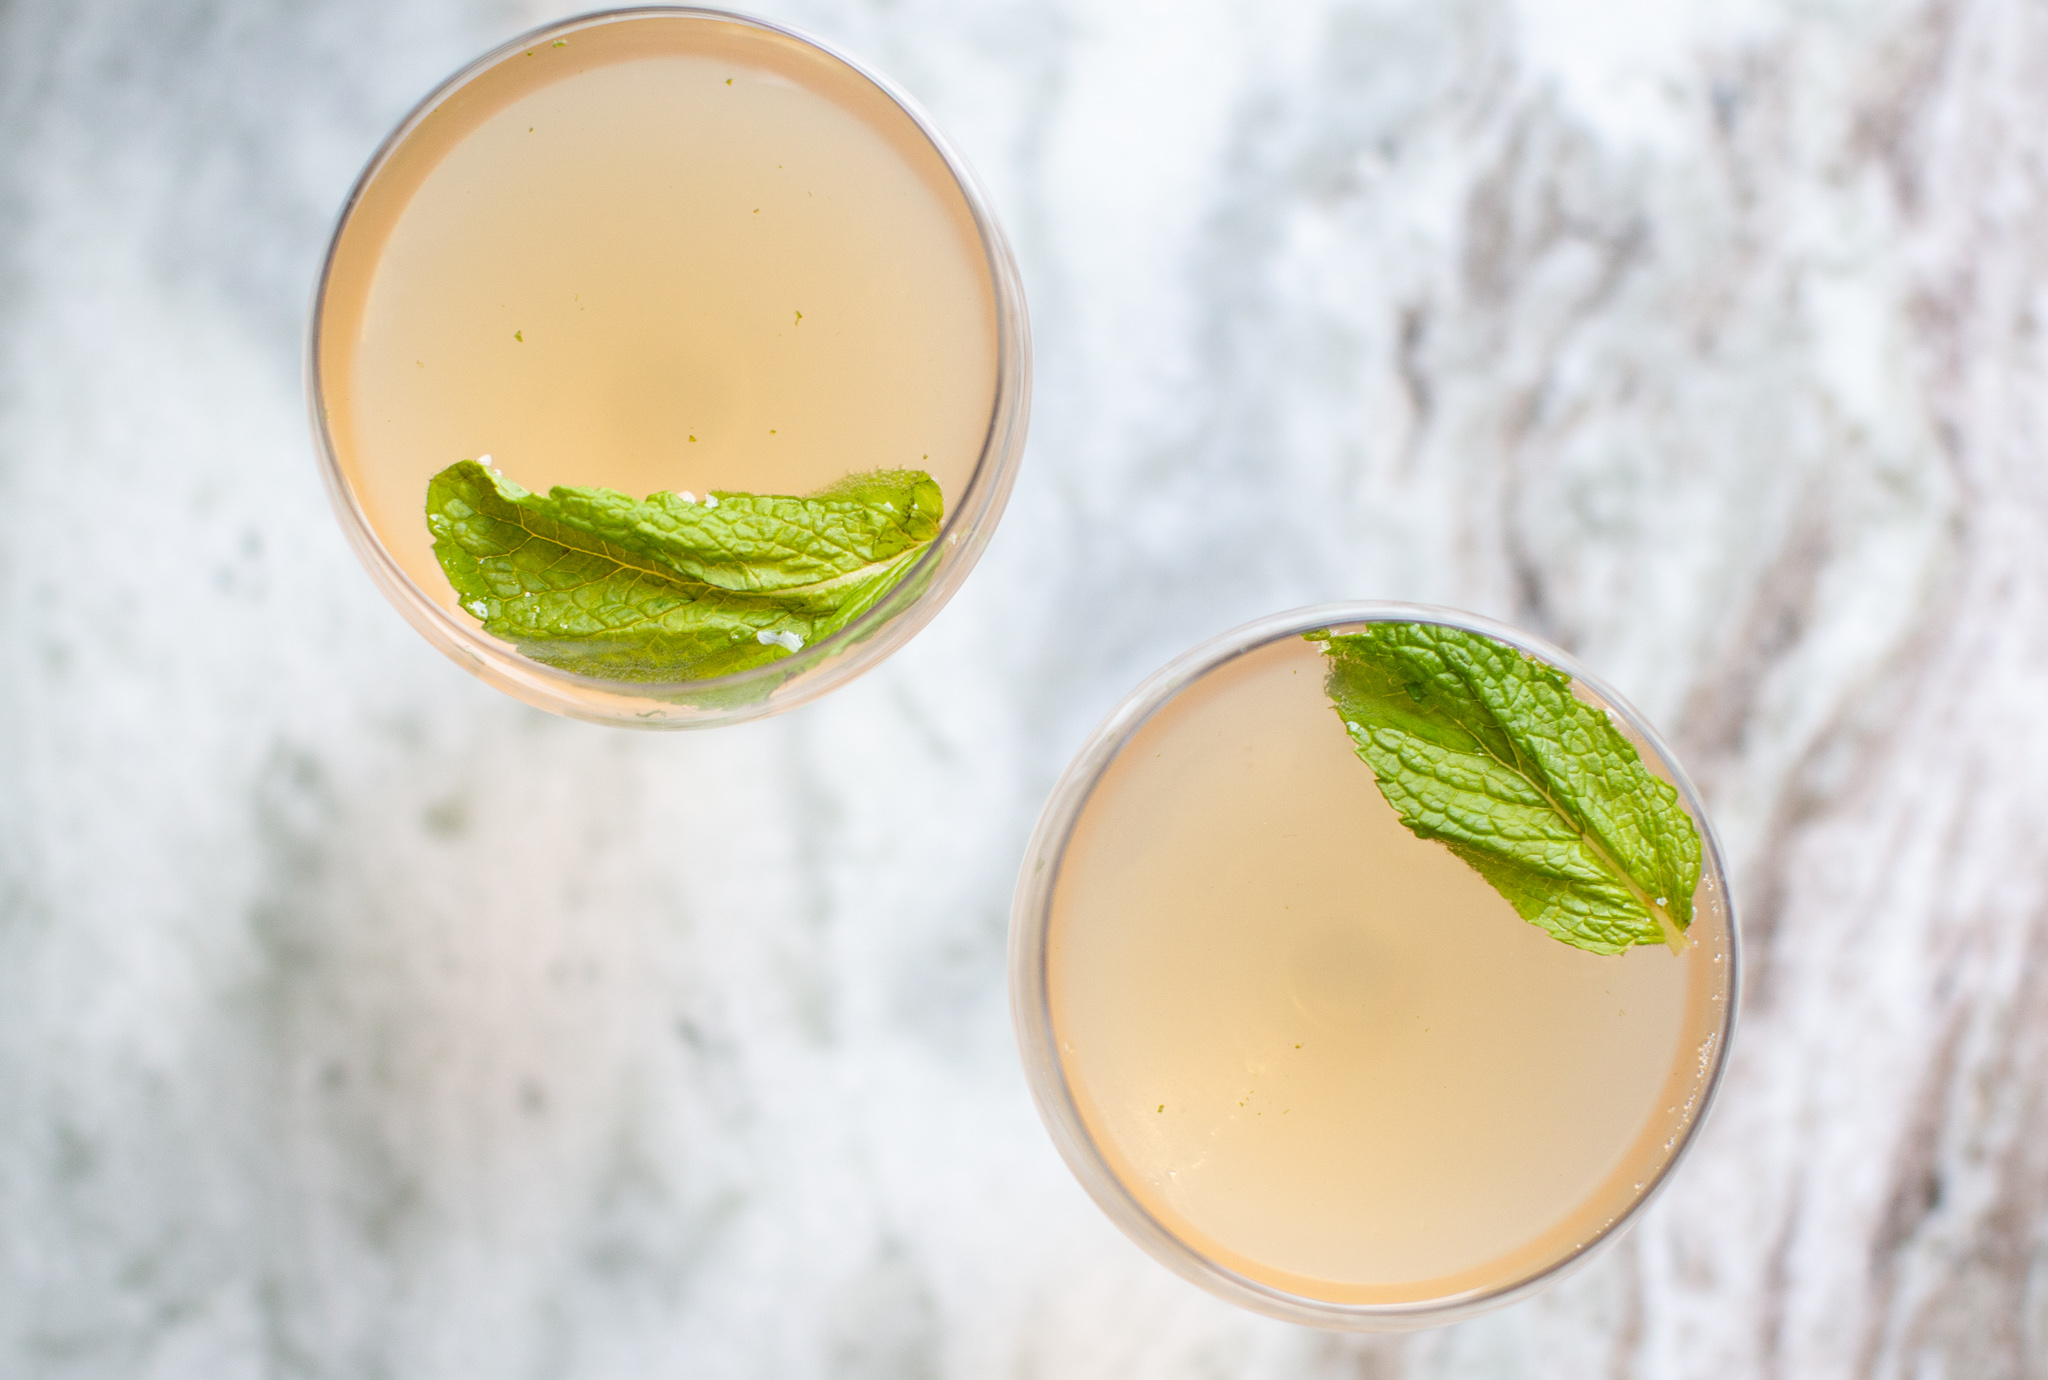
<point>358,1022</point>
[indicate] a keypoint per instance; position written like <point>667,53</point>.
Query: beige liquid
<point>670,253</point>
<point>1325,1053</point>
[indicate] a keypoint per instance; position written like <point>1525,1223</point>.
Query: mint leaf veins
<point>666,588</point>
<point>1487,751</point>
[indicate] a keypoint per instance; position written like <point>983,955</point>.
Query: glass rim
<point>1030,999</point>
<point>818,667</point>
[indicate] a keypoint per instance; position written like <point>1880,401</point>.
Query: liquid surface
<point>1326,1053</point>
<point>668,254</point>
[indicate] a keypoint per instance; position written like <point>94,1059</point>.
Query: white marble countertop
<point>356,1021</point>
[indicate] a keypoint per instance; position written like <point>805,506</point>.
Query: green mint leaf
<point>1487,751</point>
<point>664,588</point>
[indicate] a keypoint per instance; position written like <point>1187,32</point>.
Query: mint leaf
<point>1487,751</point>
<point>664,588</point>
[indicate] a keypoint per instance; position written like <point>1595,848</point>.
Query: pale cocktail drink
<point>1323,1054</point>
<point>659,252</point>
